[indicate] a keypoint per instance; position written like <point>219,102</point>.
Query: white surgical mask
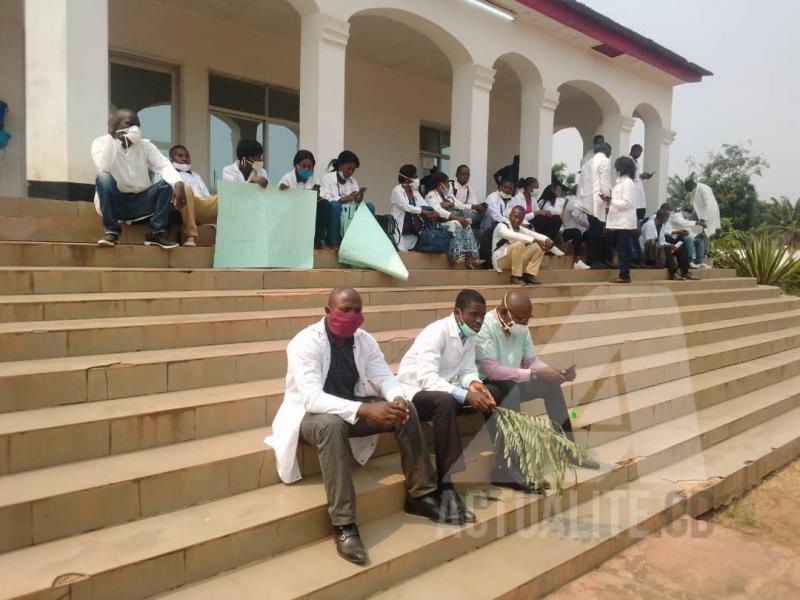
<point>134,134</point>
<point>505,196</point>
<point>512,328</point>
<point>415,184</point>
<point>181,167</point>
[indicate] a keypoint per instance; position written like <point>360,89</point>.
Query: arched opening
<point>647,131</point>
<point>406,115</point>
<point>585,106</point>
<point>568,149</point>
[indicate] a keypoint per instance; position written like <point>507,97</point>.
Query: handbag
<point>412,224</point>
<point>389,226</point>
<point>433,239</point>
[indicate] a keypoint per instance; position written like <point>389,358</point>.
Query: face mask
<point>134,134</point>
<point>415,184</point>
<point>181,167</point>
<point>505,196</point>
<point>344,324</point>
<point>341,176</point>
<point>304,174</point>
<point>512,328</point>
<point>466,330</point>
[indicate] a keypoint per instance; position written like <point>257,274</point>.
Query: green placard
<point>366,245</point>
<point>264,228</point>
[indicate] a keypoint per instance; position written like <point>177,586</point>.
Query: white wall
<point>12,91</point>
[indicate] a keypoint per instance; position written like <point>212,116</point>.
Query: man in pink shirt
<point>509,367</point>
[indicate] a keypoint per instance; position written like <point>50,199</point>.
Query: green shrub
<point>761,255</point>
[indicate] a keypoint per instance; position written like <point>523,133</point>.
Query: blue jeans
<point>636,249</point>
<point>117,206</point>
<point>335,222</point>
<point>700,248</point>
<point>623,239</point>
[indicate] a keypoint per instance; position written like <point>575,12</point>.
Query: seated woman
<point>249,165</point>
<point>576,224</point>
<point>339,187</point>
<point>547,219</point>
<point>408,207</point>
<point>463,247</point>
<point>526,197</point>
<point>302,177</point>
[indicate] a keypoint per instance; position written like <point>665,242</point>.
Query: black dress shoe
<point>348,544</point>
<point>516,280</point>
<point>525,488</point>
<point>454,507</point>
<point>530,279</point>
<point>430,507</point>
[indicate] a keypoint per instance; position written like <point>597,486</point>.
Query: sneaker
<point>159,239</point>
<point>109,240</point>
<point>191,242</point>
<point>581,266</point>
<point>705,266</point>
<point>556,251</point>
<point>694,266</point>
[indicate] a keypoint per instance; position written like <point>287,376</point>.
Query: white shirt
<point>641,198</point>
<point>497,207</point>
<point>505,232</point>
<point>309,355</point>
<point>556,208</point>
<point>677,222</point>
<point>622,209</point>
<point>130,168</point>
<point>706,207</point>
<point>521,201</point>
<point>290,181</point>
<point>595,182</point>
<point>574,217</point>
<point>196,182</point>
<point>438,360</point>
<point>234,173</point>
<point>463,196</point>
<point>332,190</point>
<point>650,231</point>
<point>400,206</point>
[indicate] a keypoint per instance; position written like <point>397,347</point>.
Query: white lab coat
<point>438,360</point>
<point>641,198</point>
<point>520,200</point>
<point>677,222</point>
<point>574,217</point>
<point>463,195</point>
<point>504,232</point>
<point>497,207</point>
<point>434,200</point>
<point>595,181</point>
<point>309,355</point>
<point>234,173</point>
<point>706,207</point>
<point>650,232</point>
<point>290,181</point>
<point>401,206</point>
<point>622,208</point>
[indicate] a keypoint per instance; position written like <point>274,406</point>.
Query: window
<point>150,89</point>
<point>246,110</point>
<point>434,148</point>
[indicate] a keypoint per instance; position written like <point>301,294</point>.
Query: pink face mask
<point>344,324</point>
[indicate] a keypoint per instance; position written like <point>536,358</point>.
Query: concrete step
<point>402,547</point>
<point>563,298</point>
<point>57,381</point>
<point>39,207</point>
<point>537,560</point>
<point>109,491</point>
<point>82,280</point>
<point>81,337</point>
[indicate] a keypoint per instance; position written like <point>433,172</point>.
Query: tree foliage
<point>761,255</point>
<point>560,173</point>
<point>729,172</point>
<point>782,217</point>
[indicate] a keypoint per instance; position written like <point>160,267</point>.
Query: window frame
<point>439,156</point>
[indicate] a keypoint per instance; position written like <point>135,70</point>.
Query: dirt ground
<point>754,542</point>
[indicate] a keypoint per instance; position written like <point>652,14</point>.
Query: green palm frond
<point>761,255</point>
<point>535,447</point>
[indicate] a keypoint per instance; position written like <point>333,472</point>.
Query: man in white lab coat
<point>594,193</point>
<point>706,207</point>
<point>340,394</point>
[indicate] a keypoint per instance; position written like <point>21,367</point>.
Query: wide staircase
<point>137,385</point>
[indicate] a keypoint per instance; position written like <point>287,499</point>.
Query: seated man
<point>497,205</point>
<point>659,252</point>
<point>249,165</point>
<point>200,207</point>
<point>333,368</point>
<point>124,189</point>
<point>464,198</point>
<point>519,249</point>
<point>680,228</point>
<point>439,374</point>
<point>512,373</point>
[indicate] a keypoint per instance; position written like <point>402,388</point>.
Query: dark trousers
<point>330,434</point>
<point>511,395</point>
<point>154,202</point>
<point>641,213</point>
<point>577,237</point>
<point>549,226</point>
<point>598,249</point>
<point>622,239</point>
<point>441,409</point>
<point>323,217</point>
<point>681,255</point>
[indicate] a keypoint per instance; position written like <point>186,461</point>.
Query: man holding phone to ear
<point>512,372</point>
<point>249,165</point>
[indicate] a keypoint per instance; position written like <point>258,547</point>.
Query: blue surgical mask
<point>466,330</point>
<point>304,174</point>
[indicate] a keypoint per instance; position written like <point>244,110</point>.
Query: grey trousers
<point>330,434</point>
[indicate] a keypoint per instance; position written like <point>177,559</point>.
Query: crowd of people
<point>511,229</point>
<point>341,393</point>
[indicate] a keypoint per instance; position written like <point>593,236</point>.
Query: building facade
<point>432,82</point>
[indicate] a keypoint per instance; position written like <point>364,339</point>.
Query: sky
<point>754,95</point>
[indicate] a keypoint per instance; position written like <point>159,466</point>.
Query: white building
<point>396,81</point>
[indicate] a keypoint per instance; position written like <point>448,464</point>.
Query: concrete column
<point>195,132</point>
<point>322,84</point>
<point>657,142</point>
<point>66,90</point>
<point>617,131</point>
<point>469,121</point>
<point>536,137</point>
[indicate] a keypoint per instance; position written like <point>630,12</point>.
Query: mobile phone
<point>316,188</point>
<point>257,166</point>
<point>678,245</point>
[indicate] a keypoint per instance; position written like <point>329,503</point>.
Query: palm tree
<point>783,217</point>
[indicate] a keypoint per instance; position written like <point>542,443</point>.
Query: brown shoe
<point>677,277</point>
<point>621,280</point>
